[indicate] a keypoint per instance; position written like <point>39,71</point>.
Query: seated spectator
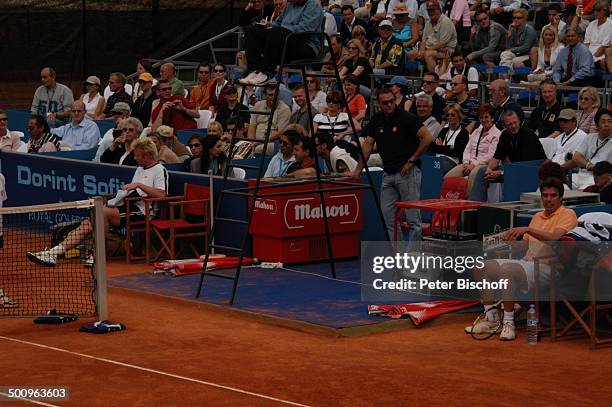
<point>521,38</point>
<point>460,67</point>
<point>430,86</point>
<point>121,150</point>
<point>94,101</point>
<point>357,65</point>
<point>200,94</point>
<point>41,139</point>
<point>169,138</point>
<point>232,107</point>
<point>195,146</point>
<point>167,72</point>
<point>120,112</point>
<point>317,96</point>
<point>545,227</point>
<point>116,84</point>
<point>554,20</point>
<point>452,139</point>
<point>171,110</point>
<point>424,111</point>
<point>300,115</point>
<point>381,10</point>
<point>480,148</point>
<point>544,56</point>
<point>598,36</point>
<point>387,57</point>
<point>304,165</point>
<point>570,138</point>
<point>165,154</point>
<point>355,102</point>
<point>150,180</point>
<point>282,160</point>
<point>469,104</point>
<point>405,28</point>
<point>399,87</point>
<point>81,133</point>
<point>9,141</point>
<point>211,157</point>
<point>439,36</point>
<point>588,104</point>
<point>487,41</point>
<point>279,6</point>
<point>571,20</point>
<point>349,22</point>
<point>334,121</point>
<point>574,65</point>
<point>259,122</point>
<point>602,175</point>
<point>330,26</point>
<point>550,169</point>
<point>52,100</point>
<point>144,103</point>
<point>337,51</point>
<point>265,42</point>
<point>502,103</point>
<point>142,66</point>
<point>502,11</point>
<point>216,88</point>
<point>544,119</point>
<point>359,33</point>
<point>340,157</point>
<point>515,144</point>
<point>443,66</point>
<point>254,12</point>
<point>594,149</point>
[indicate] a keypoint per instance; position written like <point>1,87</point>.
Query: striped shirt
<point>333,125</point>
<point>469,108</point>
<point>44,144</point>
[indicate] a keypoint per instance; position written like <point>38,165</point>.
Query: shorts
<point>134,216</point>
<point>528,267</point>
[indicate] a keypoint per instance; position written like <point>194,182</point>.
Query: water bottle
<point>532,326</point>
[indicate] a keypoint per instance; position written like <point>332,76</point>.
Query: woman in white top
<point>545,55</point>
<point>334,122</point>
<point>588,104</point>
<point>144,65</point>
<point>93,100</point>
<point>317,96</point>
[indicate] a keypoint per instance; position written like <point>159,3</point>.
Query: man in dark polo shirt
<point>544,119</point>
<point>515,144</point>
<point>401,139</point>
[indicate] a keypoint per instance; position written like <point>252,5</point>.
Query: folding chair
<point>193,221</point>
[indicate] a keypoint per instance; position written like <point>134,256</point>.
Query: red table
<point>437,205</point>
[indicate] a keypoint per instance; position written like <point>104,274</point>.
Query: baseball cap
<point>94,80</point>
<point>145,76</point>
<point>398,80</point>
<point>567,114</point>
<point>120,108</point>
<point>165,131</point>
<point>385,23</point>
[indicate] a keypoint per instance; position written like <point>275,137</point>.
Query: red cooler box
<point>290,229</point>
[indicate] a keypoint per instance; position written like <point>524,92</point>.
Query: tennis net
<point>71,285</point>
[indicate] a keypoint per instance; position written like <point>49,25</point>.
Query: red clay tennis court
<point>177,352</point>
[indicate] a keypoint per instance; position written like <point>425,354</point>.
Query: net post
<point>99,268</point>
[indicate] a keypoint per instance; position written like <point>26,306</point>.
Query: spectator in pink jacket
<point>480,147</point>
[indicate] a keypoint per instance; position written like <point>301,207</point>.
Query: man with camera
<point>172,110</point>
<point>120,111</point>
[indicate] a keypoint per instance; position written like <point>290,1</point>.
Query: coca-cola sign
<point>340,210</point>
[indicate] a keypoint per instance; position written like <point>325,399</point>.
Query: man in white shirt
<point>284,158</point>
<point>598,36</point>
<point>119,112</point>
<point>571,138</point>
<point>81,133</point>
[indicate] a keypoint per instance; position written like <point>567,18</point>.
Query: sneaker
<point>508,332</point>
<point>248,80</point>
<point>89,261</point>
<point>5,301</point>
<point>45,258</point>
<point>261,79</point>
<point>487,325</point>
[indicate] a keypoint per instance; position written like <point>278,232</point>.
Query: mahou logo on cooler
<point>340,209</point>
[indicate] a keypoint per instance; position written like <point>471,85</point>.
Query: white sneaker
<point>248,80</point>
<point>89,261</point>
<point>488,325</point>
<point>261,79</point>
<point>45,258</point>
<point>6,302</point>
<point>508,332</point>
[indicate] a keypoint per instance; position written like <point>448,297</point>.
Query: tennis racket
<point>493,328</point>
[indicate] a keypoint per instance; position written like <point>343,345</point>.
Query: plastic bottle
<point>532,326</point>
